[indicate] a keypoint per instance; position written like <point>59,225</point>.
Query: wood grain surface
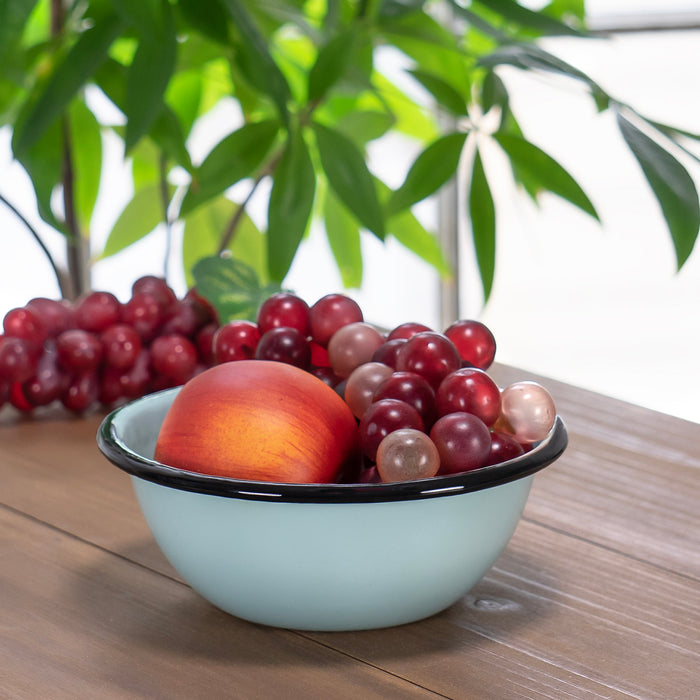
<point>597,595</point>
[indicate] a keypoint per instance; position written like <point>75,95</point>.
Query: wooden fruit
<point>261,421</point>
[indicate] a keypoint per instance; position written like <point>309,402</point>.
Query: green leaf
<point>13,16</point>
<point>482,215</point>
<point>344,238</point>
<point>148,77</point>
<point>145,164</point>
<point>349,177</point>
<point>409,231</point>
<point>429,172</point>
<point>235,157</point>
<point>209,18</point>
<point>138,218</point>
<point>167,133</point>
<point>86,156</point>
<point>255,60</point>
<point>442,91</point>
<point>202,234</point>
<point>79,64</point>
<point>331,62</point>
<point>183,95</point>
<point>290,205</point>
<point>543,24</point>
<point>362,126</point>
<point>145,15</point>
<point>672,185</point>
<point>543,170</point>
<point>231,286</point>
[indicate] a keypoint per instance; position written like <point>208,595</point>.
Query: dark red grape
<point>463,441</point>
<point>205,343</point>
<point>382,418</point>
<point>82,392</point>
<point>17,361</point>
<point>503,448</point>
<point>174,357</point>
<point>414,390</point>
<point>387,353</point>
<point>284,345</point>
<point>49,381</point>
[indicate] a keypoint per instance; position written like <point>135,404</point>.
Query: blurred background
<point>600,307</point>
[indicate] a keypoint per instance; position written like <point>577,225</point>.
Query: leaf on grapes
<point>231,287</point>
<point>57,90</point>
<point>148,77</point>
<point>673,188</point>
<point>235,157</point>
<point>331,62</point>
<point>429,172</point>
<point>138,218</point>
<point>482,216</point>
<point>344,238</point>
<point>349,177</point>
<point>540,170</point>
<point>290,205</point>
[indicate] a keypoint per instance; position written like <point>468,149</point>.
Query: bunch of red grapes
<point>101,351</point>
<point>424,401</point>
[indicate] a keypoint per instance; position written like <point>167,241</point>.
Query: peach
<point>261,421</point>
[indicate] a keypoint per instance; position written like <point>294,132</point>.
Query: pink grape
<point>352,346</point>
<point>529,409</point>
<point>407,454</point>
<point>362,384</point>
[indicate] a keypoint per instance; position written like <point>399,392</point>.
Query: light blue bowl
<point>323,557</point>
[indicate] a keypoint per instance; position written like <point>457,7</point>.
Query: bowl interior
<point>127,437</point>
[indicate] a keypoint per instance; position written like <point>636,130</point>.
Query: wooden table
<point>597,595</point>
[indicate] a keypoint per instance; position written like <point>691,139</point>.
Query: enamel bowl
<point>323,557</point>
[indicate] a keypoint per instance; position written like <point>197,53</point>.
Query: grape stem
<point>62,278</point>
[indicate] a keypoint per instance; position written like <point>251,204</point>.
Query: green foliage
<point>312,96</point>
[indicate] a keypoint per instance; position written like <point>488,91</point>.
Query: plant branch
<point>61,277</point>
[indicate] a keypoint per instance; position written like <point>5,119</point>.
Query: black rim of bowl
<point>117,452</point>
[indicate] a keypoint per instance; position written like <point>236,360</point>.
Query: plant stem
<point>64,284</point>
<point>164,199</point>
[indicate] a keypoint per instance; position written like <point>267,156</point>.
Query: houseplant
<point>307,79</point>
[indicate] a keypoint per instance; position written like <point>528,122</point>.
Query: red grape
<point>159,289</point>
<point>331,313</point>
<point>184,319</point>
<point>387,353</point>
<point>144,313</point>
<point>82,392</point>
<point>121,346</point>
<point>174,357</point>
<point>463,441</point>
<point>97,311</point>
<point>284,310</point>
<point>78,350</point>
<point>236,340</point>
<point>382,418</point>
<point>432,355</point>
<point>474,342</point>
<point>49,381</point>
<point>27,325</point>
<point>407,330</point>
<point>57,316</point>
<point>17,361</point>
<point>470,390</point>
<point>205,343</point>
